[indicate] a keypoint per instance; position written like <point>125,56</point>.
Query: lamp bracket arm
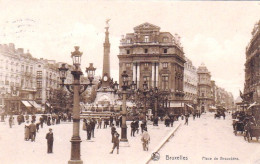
<point>69,87</point>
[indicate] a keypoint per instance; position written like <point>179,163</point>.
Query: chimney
<point>20,51</point>
<point>11,47</point>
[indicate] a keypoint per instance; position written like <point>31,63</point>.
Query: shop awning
<point>189,106</point>
<point>212,107</point>
<point>251,105</point>
<point>176,104</point>
<point>26,103</point>
<point>33,103</point>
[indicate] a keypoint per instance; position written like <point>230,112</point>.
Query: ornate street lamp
<point>91,72</point>
<point>124,92</point>
<point>63,72</point>
<point>76,88</point>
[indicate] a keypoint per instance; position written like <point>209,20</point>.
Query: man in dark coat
<point>49,121</point>
<point>113,130</point>
<point>93,124</point>
<point>111,120</point>
<point>32,127</point>
<point>50,139</point>
<point>89,129</point>
<point>132,128</point>
<point>41,121</point>
<point>115,142</point>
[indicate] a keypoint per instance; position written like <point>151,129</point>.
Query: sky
<point>214,33</point>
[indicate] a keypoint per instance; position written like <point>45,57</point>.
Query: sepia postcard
<point>129,82</point>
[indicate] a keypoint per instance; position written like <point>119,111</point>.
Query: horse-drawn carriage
<point>220,112</point>
<point>238,127</point>
<point>253,131</point>
<point>252,127</point>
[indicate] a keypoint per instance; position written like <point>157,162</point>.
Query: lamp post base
<point>124,143</point>
<point>75,162</point>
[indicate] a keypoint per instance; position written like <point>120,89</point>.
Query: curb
<point>164,142</point>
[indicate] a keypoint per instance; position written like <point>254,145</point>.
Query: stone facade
<point>205,97</point>
<point>153,56</point>
<point>190,82</point>
<point>252,67</point>
<point>25,82</point>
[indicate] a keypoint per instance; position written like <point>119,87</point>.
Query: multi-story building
<point>18,74</point>
<point>47,79</point>
<point>252,68</point>
<point>26,82</point>
<point>190,82</point>
<point>155,57</point>
<point>204,89</point>
<point>220,97</point>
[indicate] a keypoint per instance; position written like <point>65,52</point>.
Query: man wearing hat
<point>50,139</point>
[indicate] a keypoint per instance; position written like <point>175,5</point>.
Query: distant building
<point>155,57</point>
<point>252,65</point>
<point>26,82</point>
<point>204,89</point>
<point>190,82</point>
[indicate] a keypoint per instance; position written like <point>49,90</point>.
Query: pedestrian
<point>37,126</point>
<point>111,120</point>
<point>143,125</point>
<point>89,129</point>
<point>27,118</point>
<point>99,123</point>
<point>93,124</point>
<point>41,121</point>
<point>113,130</point>
<point>132,129</point>
<point>186,119</point>
<point>33,118</point>
<point>32,127</point>
<point>50,139</point>
<point>10,121</point>
<point>26,132</point>
<point>115,142</point>
<point>117,121</point>
<point>49,121</point>
<point>137,126</point>
<point>84,124</point>
<point>145,139</point>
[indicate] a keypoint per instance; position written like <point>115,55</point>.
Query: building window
<point>39,66</point>
<point>165,39</point>
<point>39,84</point>
<point>146,39</point>
<point>146,50</point>
<point>165,51</point>
<point>147,79</point>
<point>39,94</point>
<point>128,51</point>
<point>165,65</point>
<point>165,82</point>
<point>146,64</point>
<point>39,74</point>
<point>128,41</point>
<point>128,64</point>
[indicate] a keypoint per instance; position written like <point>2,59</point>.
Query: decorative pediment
<point>147,26</point>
